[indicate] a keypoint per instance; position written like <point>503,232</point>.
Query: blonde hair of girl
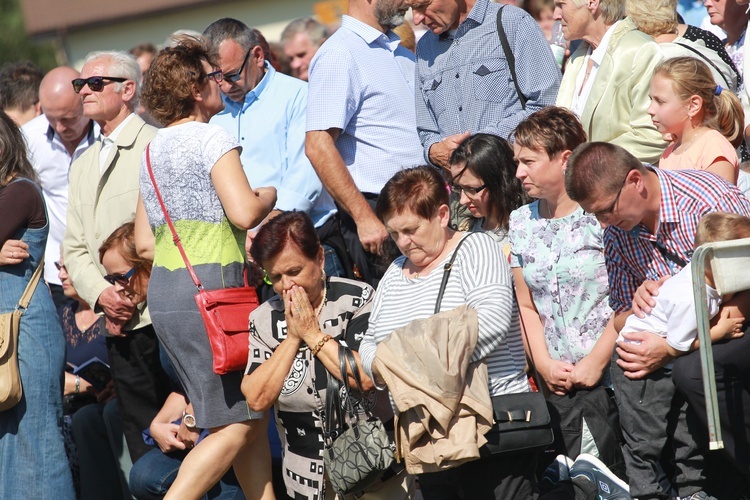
<point>721,108</point>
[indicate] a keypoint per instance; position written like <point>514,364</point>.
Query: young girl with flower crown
<point>703,121</point>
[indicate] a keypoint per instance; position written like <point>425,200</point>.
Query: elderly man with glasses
<point>266,111</point>
<point>103,194</point>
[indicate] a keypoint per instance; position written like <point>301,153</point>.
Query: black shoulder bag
<point>522,420</point>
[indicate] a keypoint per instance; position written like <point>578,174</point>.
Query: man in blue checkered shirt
<point>464,84</point>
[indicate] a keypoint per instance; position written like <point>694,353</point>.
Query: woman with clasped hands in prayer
<point>294,340</point>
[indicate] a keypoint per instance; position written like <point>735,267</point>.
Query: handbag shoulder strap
<point>707,60</point>
<point>175,237</point>
<point>447,272</point>
<point>333,417</point>
<point>669,255</point>
<point>509,56</point>
<point>29,291</point>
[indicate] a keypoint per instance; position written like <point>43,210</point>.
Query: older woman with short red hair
<point>413,206</point>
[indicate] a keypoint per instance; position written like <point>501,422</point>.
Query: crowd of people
<point>404,203</point>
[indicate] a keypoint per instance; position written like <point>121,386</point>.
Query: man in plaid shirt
<point>651,217</point>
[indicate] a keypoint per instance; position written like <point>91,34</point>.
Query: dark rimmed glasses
<point>611,209</point>
<point>95,83</point>
<point>234,77</point>
<point>470,191</point>
<point>122,279</point>
<point>217,76</point>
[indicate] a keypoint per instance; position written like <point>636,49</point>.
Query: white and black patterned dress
<point>298,408</point>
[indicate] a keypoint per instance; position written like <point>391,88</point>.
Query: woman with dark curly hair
<point>484,176</point>
<point>197,169</point>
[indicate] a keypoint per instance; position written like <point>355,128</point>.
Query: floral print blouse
<point>563,266</point>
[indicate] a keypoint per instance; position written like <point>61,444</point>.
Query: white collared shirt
<point>108,142</point>
<point>51,162</point>
<point>581,95</point>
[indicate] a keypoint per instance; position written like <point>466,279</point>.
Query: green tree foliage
<point>15,45</point>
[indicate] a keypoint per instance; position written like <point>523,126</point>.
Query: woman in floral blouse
<point>558,261</point>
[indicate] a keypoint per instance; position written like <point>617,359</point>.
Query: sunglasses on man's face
<point>95,83</point>
<point>122,279</point>
<point>234,77</point>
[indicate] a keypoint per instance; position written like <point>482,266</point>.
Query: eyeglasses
<point>609,211</point>
<point>233,77</point>
<point>59,265</point>
<point>470,191</point>
<point>217,76</point>
<point>122,279</point>
<point>95,83</point>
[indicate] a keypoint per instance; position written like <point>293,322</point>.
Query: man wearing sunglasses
<point>266,111</point>
<point>55,139</point>
<point>104,190</point>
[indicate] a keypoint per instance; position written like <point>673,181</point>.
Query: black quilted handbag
<point>358,450</point>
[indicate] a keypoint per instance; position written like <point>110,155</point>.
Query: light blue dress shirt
<point>270,127</point>
<point>362,82</point>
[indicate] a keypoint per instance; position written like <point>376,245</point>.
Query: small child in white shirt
<point>652,414</point>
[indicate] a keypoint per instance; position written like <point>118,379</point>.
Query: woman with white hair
<point>606,81</point>
<point>658,18</point>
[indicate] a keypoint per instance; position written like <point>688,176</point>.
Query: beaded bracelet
<point>78,384</point>
<point>316,349</point>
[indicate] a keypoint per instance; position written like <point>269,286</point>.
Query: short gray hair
<point>316,32</point>
<point>612,10</point>
<point>231,29</point>
<point>121,64</point>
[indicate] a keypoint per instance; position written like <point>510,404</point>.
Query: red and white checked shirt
<point>635,256</point>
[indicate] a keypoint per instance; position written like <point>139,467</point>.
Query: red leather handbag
<point>225,311</point>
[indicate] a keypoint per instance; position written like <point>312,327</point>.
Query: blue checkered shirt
<point>463,81</point>
<point>637,255</point>
<point>362,82</point>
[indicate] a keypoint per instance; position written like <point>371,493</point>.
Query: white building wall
<point>269,16</point>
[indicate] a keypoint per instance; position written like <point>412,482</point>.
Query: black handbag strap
<point>446,274</point>
<point>509,56</point>
<point>333,414</point>
<point>706,59</point>
<point>335,417</point>
<point>669,255</point>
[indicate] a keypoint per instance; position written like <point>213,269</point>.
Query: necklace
<point>686,146</point>
<point>319,309</point>
<point>84,319</point>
